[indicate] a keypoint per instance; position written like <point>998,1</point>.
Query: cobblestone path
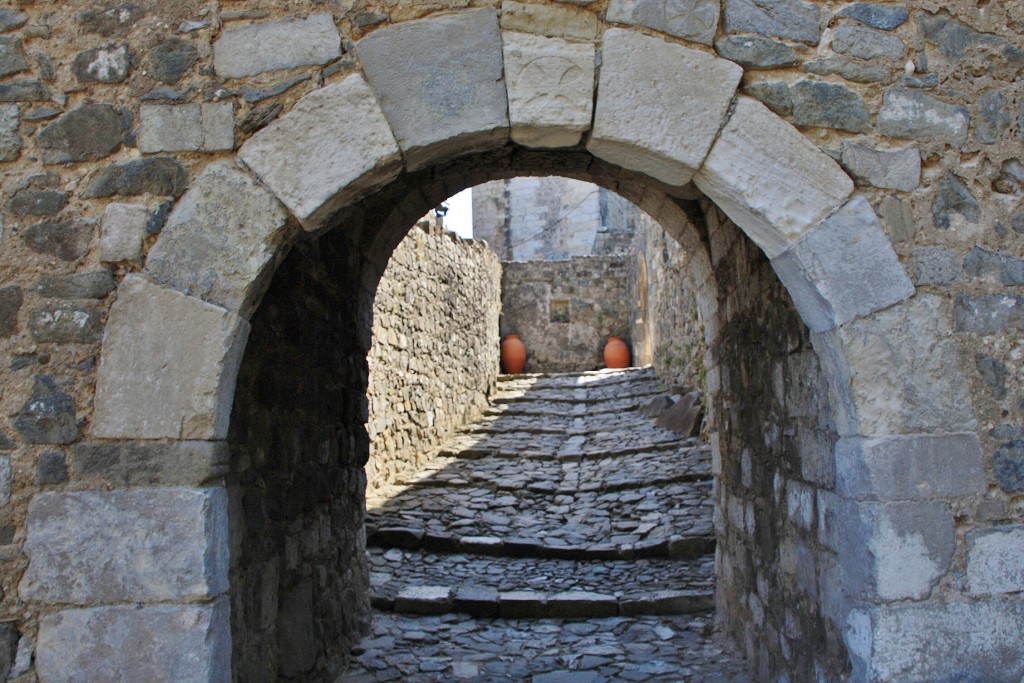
<point>563,538</point>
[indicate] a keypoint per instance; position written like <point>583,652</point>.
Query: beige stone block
<point>548,20</point>
<point>768,178</point>
<point>550,89</point>
<point>332,148</point>
<point>168,366</point>
<point>220,241</point>
<point>897,371</point>
<point>441,84</point>
<point>249,50</point>
<point>659,105</point>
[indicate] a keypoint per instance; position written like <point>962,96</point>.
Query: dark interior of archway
<point>299,580</point>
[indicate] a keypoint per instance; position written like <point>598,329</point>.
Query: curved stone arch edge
<point>822,261</point>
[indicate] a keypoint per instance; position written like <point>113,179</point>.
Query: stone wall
<point>666,324</point>
<point>564,311</point>
<point>434,358</point>
<point>552,218</point>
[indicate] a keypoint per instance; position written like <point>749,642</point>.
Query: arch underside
<point>372,151</point>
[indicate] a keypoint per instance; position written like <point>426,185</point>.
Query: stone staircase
<point>563,537</point>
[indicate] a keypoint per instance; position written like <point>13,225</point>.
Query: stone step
<point>673,546</point>
<point>563,446</point>
<point>464,648</point>
<point>638,395</point>
<point>585,424</point>
<point>393,570</point>
<point>565,475</point>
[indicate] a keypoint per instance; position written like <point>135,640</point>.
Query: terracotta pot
<point>616,353</point>
<point>513,354</point>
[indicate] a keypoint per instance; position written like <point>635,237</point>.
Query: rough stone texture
<point>1008,465</point>
<point>993,560</point>
<point>910,467</point>
<point>11,299</point>
<point>564,311</point>
<point>11,19</point>
<point>825,269</point>
<point>122,232</point>
<point>38,203</point>
<point>174,463</point>
<point>787,19</point>
<point>755,52</point>
<point>126,546</point>
<point>774,95</point>
<point>936,266</point>
<point>168,366</point>
<point>852,70</point>
<point>550,89</point>
<point>954,199</point>
<point>49,415</point>
<point>329,149</point>
<point>898,169</point>
<point>828,105</point>
<point>10,138</point>
<point>88,133</point>
<point>440,83</point>
<point>994,118</point>
<point>110,64</point>
<point>1002,268</point>
<point>67,240</point>
<point>549,21</point>
<point>27,91</point>
<point>943,641</point>
<point>695,20</point>
<point>914,115</point>
<point>160,176</point>
<point>160,643</point>
<point>52,469</point>
<point>769,179</point>
<point>219,241</point>
<point>884,17</point>
<point>988,314</point>
<point>253,49</point>
<point>671,98</point>
<point>993,374</point>
<point>439,283</point>
<point>12,56</point>
<point>66,323</point>
<point>901,367</point>
<point>171,59</point>
<point>187,127</point>
<point>863,43</point>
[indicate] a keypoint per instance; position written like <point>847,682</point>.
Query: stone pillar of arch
<point>665,112</point>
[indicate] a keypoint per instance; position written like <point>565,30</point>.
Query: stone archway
<point>664,112</point>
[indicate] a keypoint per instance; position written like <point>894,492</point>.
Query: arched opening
<point>793,523</point>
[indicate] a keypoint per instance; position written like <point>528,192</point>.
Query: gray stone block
<point>895,170</point>
<point>914,115</point>
<point>169,60</point>
<point>51,469</point>
<point>476,601</point>
<point>787,19</point>
<point>110,64</point>
<point>11,298</point>
<point>38,203</point>
<point>440,82</point>
<point>695,21</point>
<point>253,49</point>
<point>1002,268</point>
<point>25,91</point>
<point>94,284</point>
<point>168,366</point>
<point>850,69</point>
<point>11,19</point>
<point>89,133</point>
<point>66,324</point>
<point>10,138</point>
<point>994,560</point>
<point>228,264</point>
<point>989,313</point>
<point>206,127</point>
<point>910,467</point>
<point>884,17</point>
<point>330,149</point>
<point>828,105</point>
<point>12,56</point>
<point>122,232</point>
<point>424,600</point>
<point>941,641</point>
<point>126,546</point>
<point>160,176</point>
<point>1008,466</point>
<point>993,374</point>
<point>755,52</point>
<point>889,551</point>
<point>843,269</point>
<point>582,605</point>
<point>170,463</point>
<point>522,605</point>
<point>953,199</point>
<point>994,118</point>
<point>936,266</point>
<point>49,414</point>
<point>864,43</point>
<point>775,95</point>
<point>157,644</point>
<point>67,240</point>
<point>659,105</point>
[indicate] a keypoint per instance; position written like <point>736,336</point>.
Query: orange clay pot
<point>616,353</point>
<point>513,354</point>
